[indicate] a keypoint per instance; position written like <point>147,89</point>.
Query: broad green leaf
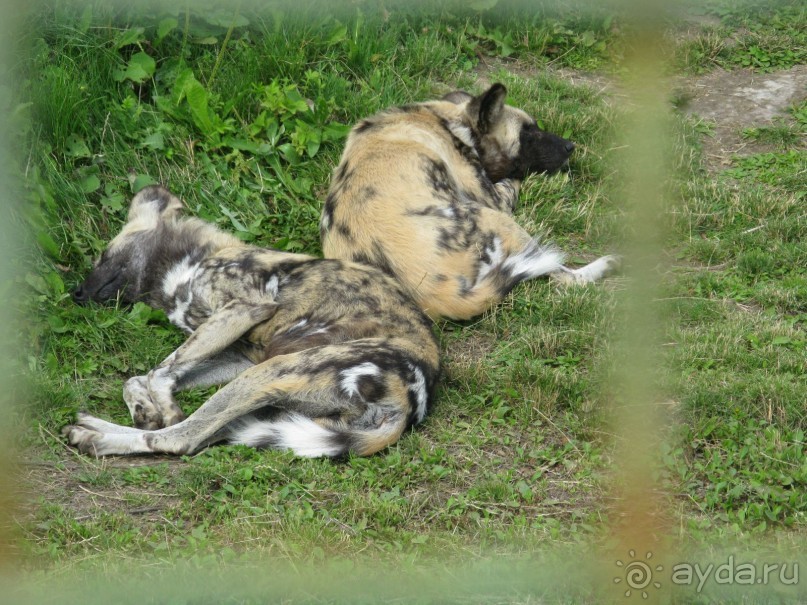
<point>76,147</point>
<point>588,38</point>
<point>166,26</point>
<point>139,69</point>
<point>113,202</point>
<point>37,283</point>
<point>58,325</point>
<point>335,131</point>
<point>338,34</point>
<point>90,183</point>
<point>289,153</point>
<point>233,218</point>
<point>138,181</point>
<point>55,282</point>
<point>154,141</point>
<point>295,102</point>
<point>130,36</point>
<point>48,245</point>
<point>247,145</point>
<point>196,95</point>
<point>224,18</point>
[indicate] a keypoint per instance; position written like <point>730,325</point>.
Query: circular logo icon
<point>638,574</point>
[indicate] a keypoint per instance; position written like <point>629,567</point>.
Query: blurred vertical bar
<point>641,522</point>
<point>9,247</point>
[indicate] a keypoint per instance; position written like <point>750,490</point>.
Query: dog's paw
<point>173,416</point>
<point>595,271</point>
<point>147,419</point>
<point>613,264</point>
<point>145,414</point>
<point>84,439</point>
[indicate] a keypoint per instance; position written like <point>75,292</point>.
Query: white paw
<point>144,412</point>
<point>592,272</point>
<point>102,426</point>
<point>86,440</point>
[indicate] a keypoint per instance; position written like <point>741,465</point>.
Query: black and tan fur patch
<point>426,191</point>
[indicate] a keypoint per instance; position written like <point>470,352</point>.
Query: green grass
<point>244,115</point>
<point>763,36</point>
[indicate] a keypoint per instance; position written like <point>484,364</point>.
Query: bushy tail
<point>495,280</point>
<point>310,439</point>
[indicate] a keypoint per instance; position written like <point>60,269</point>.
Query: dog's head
<point>120,271</point>
<point>508,141</point>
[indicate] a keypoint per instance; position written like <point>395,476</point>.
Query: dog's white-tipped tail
<point>308,439</point>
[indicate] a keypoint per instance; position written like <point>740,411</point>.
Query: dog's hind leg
<point>505,255</point>
<point>150,398</point>
<point>328,400</point>
<point>218,369</point>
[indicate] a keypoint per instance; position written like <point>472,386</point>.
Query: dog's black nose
<point>569,147</point>
<point>79,296</point>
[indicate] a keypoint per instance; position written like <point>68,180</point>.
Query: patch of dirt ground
<point>739,99</point>
<point>89,487</point>
<point>730,100</point>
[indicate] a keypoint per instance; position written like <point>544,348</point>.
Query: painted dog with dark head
<point>323,357</point>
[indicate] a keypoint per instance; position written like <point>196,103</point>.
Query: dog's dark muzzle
<point>80,295</point>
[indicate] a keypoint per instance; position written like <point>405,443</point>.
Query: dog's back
<point>425,192</point>
<point>412,197</point>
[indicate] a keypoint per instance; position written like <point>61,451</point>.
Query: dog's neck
<point>187,240</point>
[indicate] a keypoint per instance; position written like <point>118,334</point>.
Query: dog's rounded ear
<point>155,203</point>
<point>487,109</point>
<point>457,97</point>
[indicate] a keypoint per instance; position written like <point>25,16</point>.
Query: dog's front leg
<point>274,381</point>
<point>150,398</point>
<point>507,194</point>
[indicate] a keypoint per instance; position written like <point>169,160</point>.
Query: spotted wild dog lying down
<point>323,357</point>
<point>426,192</point>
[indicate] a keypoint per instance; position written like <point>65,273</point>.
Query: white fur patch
<point>181,273</point>
<point>418,387</point>
<point>108,444</point>
<point>534,261</point>
<point>302,329</point>
<point>462,132</point>
<point>297,433</point>
<point>495,256</point>
<point>271,286</point>
<point>298,325</point>
<point>177,316</point>
<point>350,377</point>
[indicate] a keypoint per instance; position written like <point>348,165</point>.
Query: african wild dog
<point>426,192</point>
<point>322,357</point>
